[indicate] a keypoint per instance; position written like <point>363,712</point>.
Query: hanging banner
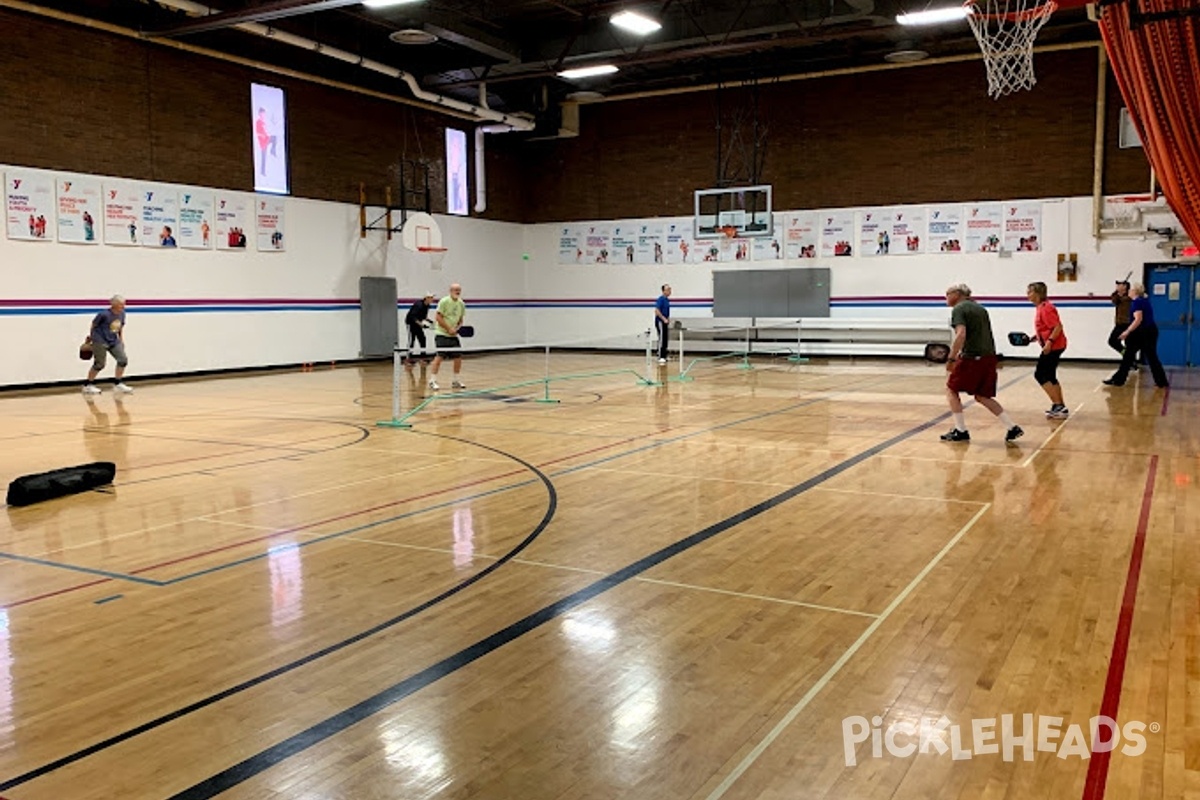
<point>801,234</point>
<point>680,246</point>
<point>160,217</point>
<point>1023,227</point>
<point>650,243</point>
<point>984,228</point>
<point>623,243</point>
<point>122,214</point>
<point>945,229</point>
<point>29,206</point>
<point>908,231</point>
<point>837,233</point>
<point>195,219</point>
<point>570,246</point>
<point>874,232</point>
<point>78,210</point>
<point>596,244</point>
<point>269,220</point>
<point>232,214</point>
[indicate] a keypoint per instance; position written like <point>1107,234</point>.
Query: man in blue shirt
<point>662,321</point>
<point>1141,335</point>
<point>108,336</point>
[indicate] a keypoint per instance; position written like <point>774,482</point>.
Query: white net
<point>1006,30</point>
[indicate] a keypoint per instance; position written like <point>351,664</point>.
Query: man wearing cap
<point>417,319</point>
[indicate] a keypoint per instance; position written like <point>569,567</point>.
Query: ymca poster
<point>78,210</point>
<point>29,206</point>
<point>232,215</point>
<point>195,219</point>
<point>908,231</point>
<point>680,243</point>
<point>874,232</point>
<point>269,218</point>
<point>570,246</point>
<point>160,217</point>
<point>801,233</point>
<point>1023,227</point>
<point>984,228</point>
<point>623,243</point>
<point>122,214</point>
<point>596,245</point>
<point>770,248</point>
<point>837,233</point>
<point>649,243</point>
<point>945,229</point>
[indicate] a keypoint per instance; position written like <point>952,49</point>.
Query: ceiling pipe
<point>516,122</point>
<point>480,161</point>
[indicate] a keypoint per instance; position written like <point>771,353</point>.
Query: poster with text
<point>268,126</point>
<point>233,217</point>
<point>837,233</point>
<point>874,232</point>
<point>651,236</point>
<point>680,245</point>
<point>623,243</point>
<point>78,210</point>
<point>269,220</point>
<point>908,231</point>
<point>1023,227</point>
<point>122,214</point>
<point>570,244</point>
<point>801,234</point>
<point>984,228</point>
<point>29,206</point>
<point>160,217</point>
<point>195,219</point>
<point>769,248</point>
<point>597,245</point>
<point>945,229</point>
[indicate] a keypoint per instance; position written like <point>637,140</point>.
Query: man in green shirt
<point>972,364</point>
<point>450,313</point>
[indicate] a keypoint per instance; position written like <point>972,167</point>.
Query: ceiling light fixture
<point>635,23</point>
<point>933,16</point>
<point>587,72</point>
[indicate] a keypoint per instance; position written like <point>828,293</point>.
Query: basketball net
<point>1006,30</point>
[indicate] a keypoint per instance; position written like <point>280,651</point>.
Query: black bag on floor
<point>29,489</point>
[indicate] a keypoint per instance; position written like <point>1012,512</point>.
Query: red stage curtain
<point>1158,70</point>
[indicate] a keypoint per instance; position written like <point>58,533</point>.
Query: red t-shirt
<point>1045,319</point>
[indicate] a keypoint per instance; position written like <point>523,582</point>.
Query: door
<point>1172,291</point>
<point>378,317</point>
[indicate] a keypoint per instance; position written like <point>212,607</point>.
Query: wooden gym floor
<point>679,592</point>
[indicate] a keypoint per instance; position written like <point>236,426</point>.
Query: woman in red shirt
<point>1049,331</point>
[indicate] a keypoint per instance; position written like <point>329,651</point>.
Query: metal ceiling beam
<point>474,40</point>
<point>278,9</point>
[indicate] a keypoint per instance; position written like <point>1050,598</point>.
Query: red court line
<point>1097,774</point>
<point>16,603</point>
<point>1166,399</point>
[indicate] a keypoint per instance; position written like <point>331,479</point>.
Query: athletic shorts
<point>449,343</point>
<point>100,353</point>
<point>975,375</point>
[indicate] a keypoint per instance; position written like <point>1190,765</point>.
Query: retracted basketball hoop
<point>1006,30</point>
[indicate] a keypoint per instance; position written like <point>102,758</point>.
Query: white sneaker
<point>121,387</point>
<point>458,385</point>
<point>91,388</point>
<point>662,361</point>
<point>434,386</point>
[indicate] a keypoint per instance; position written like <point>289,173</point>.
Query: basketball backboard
<point>739,211</point>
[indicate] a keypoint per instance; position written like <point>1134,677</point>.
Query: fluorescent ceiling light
<point>933,16</point>
<point>635,22</point>
<point>587,72</point>
<point>385,3</point>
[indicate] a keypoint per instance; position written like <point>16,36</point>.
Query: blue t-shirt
<point>106,327</point>
<point>1142,304</point>
<point>663,304</point>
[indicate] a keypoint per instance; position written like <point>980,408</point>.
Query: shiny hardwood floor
<point>736,587</point>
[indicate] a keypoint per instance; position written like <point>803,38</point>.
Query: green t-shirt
<point>979,328</point>
<point>452,312</point>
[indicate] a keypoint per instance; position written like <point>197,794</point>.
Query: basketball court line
<point>750,758</point>
<point>1053,433</point>
<point>900,496</point>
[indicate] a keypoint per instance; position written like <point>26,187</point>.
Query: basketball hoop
<point>435,255</point>
<point>730,231</point>
<point>1006,30</point>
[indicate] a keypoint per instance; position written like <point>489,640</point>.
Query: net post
<point>798,358</point>
<point>649,379</point>
<point>398,353</point>
<point>545,398</point>
<point>746,352</point>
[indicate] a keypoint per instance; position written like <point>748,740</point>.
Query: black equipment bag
<point>29,489</point>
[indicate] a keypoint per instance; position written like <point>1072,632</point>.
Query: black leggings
<point>415,333</point>
<point>1047,367</point>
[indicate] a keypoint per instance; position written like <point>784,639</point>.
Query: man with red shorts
<point>972,364</point>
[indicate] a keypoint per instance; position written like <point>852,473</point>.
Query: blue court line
<point>86,570</point>
<point>109,599</point>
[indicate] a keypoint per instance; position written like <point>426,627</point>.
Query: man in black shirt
<point>417,319</point>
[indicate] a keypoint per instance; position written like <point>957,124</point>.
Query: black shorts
<point>449,343</point>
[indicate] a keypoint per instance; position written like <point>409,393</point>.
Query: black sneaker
<point>1014,433</point>
<point>1112,382</point>
<point>955,435</point>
